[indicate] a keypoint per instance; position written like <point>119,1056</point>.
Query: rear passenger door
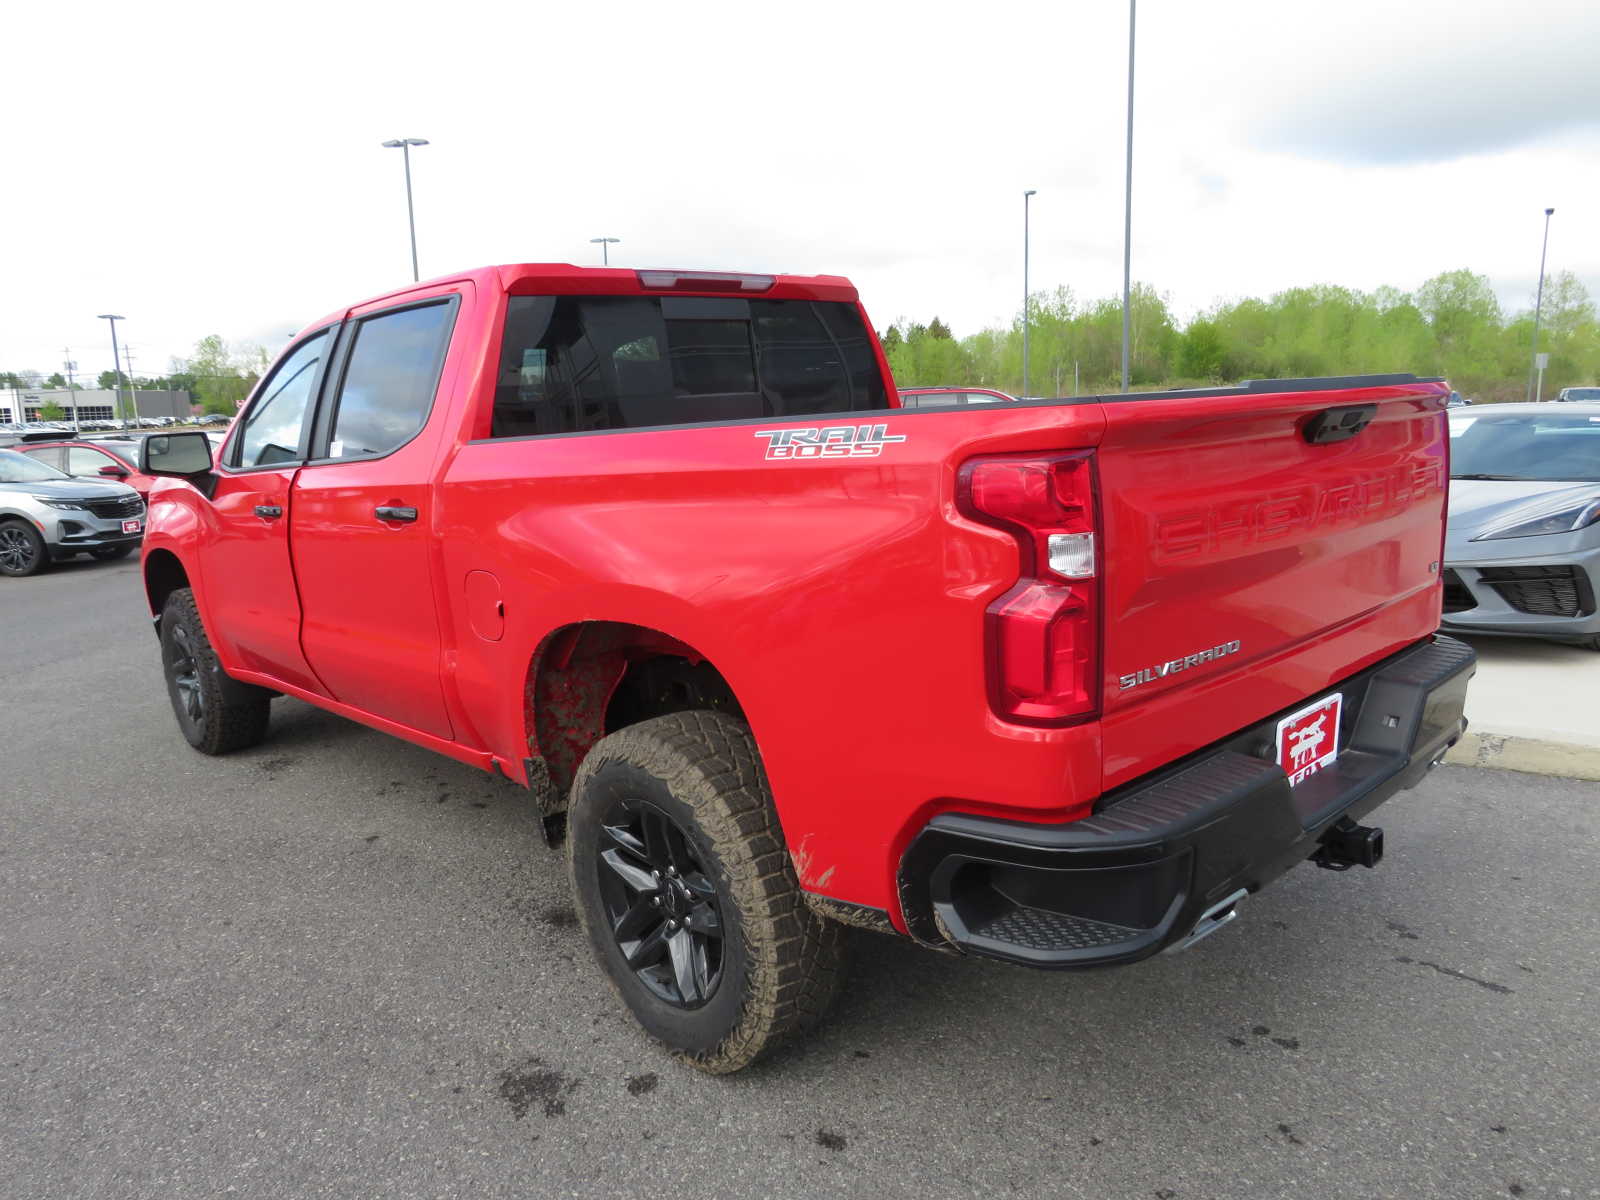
<point>363,506</point>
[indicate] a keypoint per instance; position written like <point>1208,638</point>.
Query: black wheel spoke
<point>681,947</point>
<point>648,951</point>
<point>657,837</point>
<point>624,837</point>
<point>636,877</point>
<point>704,920</point>
<point>699,885</point>
<point>637,920</point>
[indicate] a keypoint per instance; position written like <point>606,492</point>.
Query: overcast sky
<point>216,168</point>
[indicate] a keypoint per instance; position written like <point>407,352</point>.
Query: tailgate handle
<point>1337,424</point>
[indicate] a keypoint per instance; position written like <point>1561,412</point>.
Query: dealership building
<point>91,405</point>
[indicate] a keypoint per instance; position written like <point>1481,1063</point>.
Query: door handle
<point>394,512</point>
<point>270,511</point>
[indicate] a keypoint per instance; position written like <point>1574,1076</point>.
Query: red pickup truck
<point>1059,682</point>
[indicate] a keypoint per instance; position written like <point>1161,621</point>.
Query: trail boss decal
<point>831,441</point>
<point>1172,666</point>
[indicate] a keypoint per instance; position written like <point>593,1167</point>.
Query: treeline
<point>1451,326</point>
<point>218,375</point>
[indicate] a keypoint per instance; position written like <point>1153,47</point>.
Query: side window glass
<point>49,457</point>
<point>390,380</point>
<point>276,421</point>
<point>81,461</point>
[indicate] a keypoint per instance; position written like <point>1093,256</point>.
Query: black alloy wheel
<point>661,903</point>
<point>22,550</point>
<point>183,670</point>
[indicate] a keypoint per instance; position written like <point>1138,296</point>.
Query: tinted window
<point>389,380</point>
<point>576,363</point>
<point>276,421</point>
<point>83,461</point>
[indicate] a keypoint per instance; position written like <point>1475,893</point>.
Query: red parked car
<point>1061,684</point>
<point>108,458</point>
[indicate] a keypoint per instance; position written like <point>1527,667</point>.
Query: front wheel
<point>217,714</point>
<point>22,550</point>
<point>687,894</point>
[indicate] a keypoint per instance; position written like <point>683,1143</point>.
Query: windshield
<point>19,468</point>
<point>1526,446</point>
<point>1581,394</point>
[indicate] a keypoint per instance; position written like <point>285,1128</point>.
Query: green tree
<point>51,411</point>
<point>220,379</point>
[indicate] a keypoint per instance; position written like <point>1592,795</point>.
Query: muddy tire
<point>687,894</point>
<point>217,714</point>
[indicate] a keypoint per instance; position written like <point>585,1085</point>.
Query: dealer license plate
<point>1308,740</point>
<point>132,526</point>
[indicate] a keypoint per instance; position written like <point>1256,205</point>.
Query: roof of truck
<point>567,279</point>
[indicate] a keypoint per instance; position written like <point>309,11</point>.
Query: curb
<point>1504,753</point>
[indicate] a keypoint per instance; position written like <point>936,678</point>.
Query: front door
<point>249,581</point>
<point>362,519</point>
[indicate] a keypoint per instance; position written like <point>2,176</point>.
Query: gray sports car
<point>1522,554</point>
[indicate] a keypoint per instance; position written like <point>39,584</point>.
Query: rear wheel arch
<point>592,678</point>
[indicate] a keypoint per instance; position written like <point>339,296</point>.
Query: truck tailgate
<point>1249,565</point>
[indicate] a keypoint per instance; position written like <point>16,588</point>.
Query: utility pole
<point>133,396</point>
<point>72,395</point>
<point>1025,198</point>
<point>116,355</point>
<point>1538,304</point>
<point>1127,208</point>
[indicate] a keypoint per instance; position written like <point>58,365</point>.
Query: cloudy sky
<point>216,168</point>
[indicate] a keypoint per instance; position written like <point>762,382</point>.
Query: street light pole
<point>133,392</point>
<point>72,396</point>
<point>1538,303</point>
<point>116,361</point>
<point>1025,196</point>
<point>1127,207</point>
<point>404,145</point>
<point>605,244</point>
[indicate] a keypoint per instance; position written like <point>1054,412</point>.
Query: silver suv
<point>46,516</point>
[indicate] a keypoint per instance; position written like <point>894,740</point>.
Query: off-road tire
<point>111,553</point>
<point>231,715</point>
<point>19,563</point>
<point>782,964</point>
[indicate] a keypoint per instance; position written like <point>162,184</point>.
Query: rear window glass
<point>571,364</point>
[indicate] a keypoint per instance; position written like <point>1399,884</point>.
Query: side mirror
<point>114,472</point>
<point>182,455</point>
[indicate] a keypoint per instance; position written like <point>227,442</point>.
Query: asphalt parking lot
<point>338,965</point>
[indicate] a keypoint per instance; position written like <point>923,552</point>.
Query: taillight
<point>1042,638</point>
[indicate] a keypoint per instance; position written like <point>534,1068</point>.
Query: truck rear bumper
<point>1174,850</point>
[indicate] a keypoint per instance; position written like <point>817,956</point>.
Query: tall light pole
<point>1025,197</point>
<point>1127,206</point>
<point>1538,303</point>
<point>605,244</point>
<point>404,146</point>
<point>72,395</point>
<point>116,360</point>
<point>133,392</point>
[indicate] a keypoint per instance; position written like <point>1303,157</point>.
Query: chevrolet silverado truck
<point>1058,682</point>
